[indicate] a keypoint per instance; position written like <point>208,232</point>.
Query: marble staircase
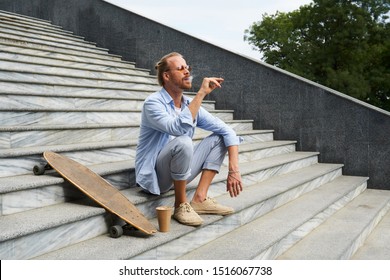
<point>61,93</point>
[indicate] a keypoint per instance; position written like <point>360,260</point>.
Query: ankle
<point>198,198</point>
<point>178,203</point>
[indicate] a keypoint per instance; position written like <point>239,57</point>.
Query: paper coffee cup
<point>164,214</point>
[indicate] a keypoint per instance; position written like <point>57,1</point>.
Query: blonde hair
<point>162,66</point>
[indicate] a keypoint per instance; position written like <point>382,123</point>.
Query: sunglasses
<point>182,68</point>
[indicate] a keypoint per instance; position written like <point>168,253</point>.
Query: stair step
<point>17,104</point>
<point>344,232</point>
<point>248,152</point>
<point>47,120</point>
<point>254,151</point>
<point>41,30</point>
<point>20,33</point>
<point>34,58</point>
<point>30,181</point>
<point>16,120</point>
<point>47,79</point>
<point>73,151</point>
<point>58,48</point>
<point>77,97</point>
<point>69,213</point>
<point>30,136</point>
<point>23,165</point>
<point>20,239</point>
<point>36,99</point>
<point>269,235</point>
<point>181,238</point>
<point>28,151</point>
<point>269,149</point>
<point>16,48</point>
<point>27,192</point>
<point>262,169</point>
<point>93,130</point>
<point>34,69</point>
<point>27,186</point>
<point>57,43</point>
<point>23,19</point>
<point>277,165</point>
<point>377,245</point>
<point>55,90</point>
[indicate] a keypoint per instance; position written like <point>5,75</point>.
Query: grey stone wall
<point>342,129</point>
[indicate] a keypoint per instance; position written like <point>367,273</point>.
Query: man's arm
<point>208,85</point>
<point>234,184</point>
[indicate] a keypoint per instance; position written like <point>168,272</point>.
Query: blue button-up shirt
<point>159,122</point>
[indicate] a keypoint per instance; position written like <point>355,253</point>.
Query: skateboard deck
<point>98,189</point>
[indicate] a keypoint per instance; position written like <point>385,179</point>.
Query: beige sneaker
<point>184,214</point>
<point>211,206</point>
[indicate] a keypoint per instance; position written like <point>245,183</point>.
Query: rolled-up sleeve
<point>207,121</point>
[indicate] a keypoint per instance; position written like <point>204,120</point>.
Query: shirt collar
<point>168,99</point>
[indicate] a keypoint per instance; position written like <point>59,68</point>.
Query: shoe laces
<point>186,207</point>
<point>211,199</point>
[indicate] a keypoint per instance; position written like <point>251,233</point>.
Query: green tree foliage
<point>342,44</point>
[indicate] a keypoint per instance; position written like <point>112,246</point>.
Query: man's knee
<point>184,141</point>
<point>184,146</point>
<point>214,139</point>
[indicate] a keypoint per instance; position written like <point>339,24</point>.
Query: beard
<point>187,83</point>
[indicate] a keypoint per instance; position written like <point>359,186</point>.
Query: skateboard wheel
<point>39,169</point>
<point>116,231</point>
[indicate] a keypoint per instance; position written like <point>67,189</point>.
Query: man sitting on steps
<point>166,157</point>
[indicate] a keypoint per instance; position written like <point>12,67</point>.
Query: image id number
<point>249,270</point>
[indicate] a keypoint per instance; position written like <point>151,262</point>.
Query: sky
<point>219,22</point>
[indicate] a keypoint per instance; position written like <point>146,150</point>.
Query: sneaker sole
<point>189,224</point>
<point>214,212</point>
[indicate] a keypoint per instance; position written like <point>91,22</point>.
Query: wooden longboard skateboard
<point>99,190</point>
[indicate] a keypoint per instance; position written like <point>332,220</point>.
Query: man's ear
<point>166,76</point>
